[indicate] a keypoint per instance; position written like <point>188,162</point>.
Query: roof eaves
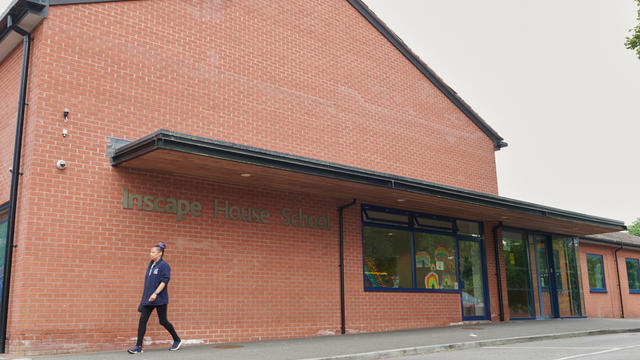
<point>169,140</point>
<point>25,14</point>
<point>74,2</point>
<point>597,241</point>
<point>614,239</point>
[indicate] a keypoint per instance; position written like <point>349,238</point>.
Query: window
<point>471,228</point>
<point>435,261</point>
<point>544,276</point>
<point>596,273</point>
<point>633,275</point>
<point>412,251</point>
<point>387,258</point>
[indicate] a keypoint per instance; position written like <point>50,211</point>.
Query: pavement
<point>378,345</point>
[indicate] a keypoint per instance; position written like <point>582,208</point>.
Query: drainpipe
<point>615,255</point>
<point>342,317</point>
<point>498,272</point>
<point>15,175</point>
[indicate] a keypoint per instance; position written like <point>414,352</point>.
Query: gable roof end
<point>498,141</point>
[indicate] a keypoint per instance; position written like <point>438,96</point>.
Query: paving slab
<point>376,345</point>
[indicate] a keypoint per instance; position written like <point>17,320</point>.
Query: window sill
<point>598,290</point>
<point>413,290</point>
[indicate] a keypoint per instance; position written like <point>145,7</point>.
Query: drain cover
<point>229,346</point>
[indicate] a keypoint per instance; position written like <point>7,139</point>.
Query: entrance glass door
<point>543,275</point>
<point>545,271</point>
<point>519,285</point>
<point>472,281</point>
<point>567,276</point>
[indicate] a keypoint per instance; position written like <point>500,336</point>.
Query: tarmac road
<point>610,347</point>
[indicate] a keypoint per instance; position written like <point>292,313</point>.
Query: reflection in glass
<point>596,271</point>
<point>545,306</point>
<point>471,278</point>
<point>387,258</point>
<point>567,279</point>
<point>633,274</point>
<point>516,259</point>
<point>468,228</point>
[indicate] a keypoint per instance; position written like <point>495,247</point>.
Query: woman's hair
<point>161,246</point>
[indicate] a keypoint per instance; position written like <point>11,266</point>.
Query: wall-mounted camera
<point>61,164</point>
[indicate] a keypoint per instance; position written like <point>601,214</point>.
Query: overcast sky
<point>553,78</point>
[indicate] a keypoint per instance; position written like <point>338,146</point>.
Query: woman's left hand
<point>153,297</point>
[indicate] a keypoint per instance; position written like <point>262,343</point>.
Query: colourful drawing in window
<point>446,280</point>
<point>431,281</point>
<point>423,260</point>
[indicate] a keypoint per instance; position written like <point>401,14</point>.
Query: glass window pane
<point>468,227</point>
<point>565,255</point>
<point>387,258</point>
<point>471,276</point>
<point>386,217</point>
<point>596,272</point>
<point>436,224</point>
<point>435,261</point>
<point>516,259</point>
<point>633,274</point>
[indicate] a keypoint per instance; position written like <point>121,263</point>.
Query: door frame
<point>551,271</point>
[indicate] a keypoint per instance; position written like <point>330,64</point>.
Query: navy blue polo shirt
<point>156,274</point>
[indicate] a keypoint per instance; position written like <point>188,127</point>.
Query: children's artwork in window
<point>440,271</point>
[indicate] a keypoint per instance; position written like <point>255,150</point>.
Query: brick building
<point>309,174</point>
<point>611,274</point>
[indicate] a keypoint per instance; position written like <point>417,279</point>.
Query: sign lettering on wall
<point>222,209</point>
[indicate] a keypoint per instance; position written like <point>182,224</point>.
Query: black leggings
<point>162,315</point>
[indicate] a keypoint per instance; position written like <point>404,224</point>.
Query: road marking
<point>597,352</point>
<point>547,347</point>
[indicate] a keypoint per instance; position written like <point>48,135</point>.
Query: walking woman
<point>155,296</point>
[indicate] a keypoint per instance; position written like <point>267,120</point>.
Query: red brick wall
<point>9,86</point>
<point>305,78</point>
<point>631,301</point>
<point>608,304</point>
<point>231,281</point>
<point>380,311</point>
<point>310,79</point>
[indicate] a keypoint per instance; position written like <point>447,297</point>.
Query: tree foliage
<point>634,229</point>
<point>633,42</point>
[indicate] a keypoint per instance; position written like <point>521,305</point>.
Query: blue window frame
<point>633,275</point>
<point>595,268</point>
<point>411,251</point>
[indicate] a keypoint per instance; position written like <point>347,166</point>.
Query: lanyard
<point>151,268</point>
